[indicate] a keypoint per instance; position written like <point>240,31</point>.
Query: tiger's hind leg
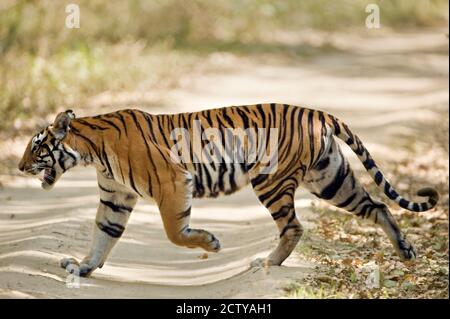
<point>278,198</point>
<point>333,180</point>
<point>174,201</point>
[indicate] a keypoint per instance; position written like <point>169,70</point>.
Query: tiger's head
<point>48,152</point>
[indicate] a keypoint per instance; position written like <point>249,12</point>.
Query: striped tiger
<point>132,153</point>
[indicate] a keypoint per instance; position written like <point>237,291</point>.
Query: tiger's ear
<point>61,124</point>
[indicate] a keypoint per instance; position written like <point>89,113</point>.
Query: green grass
<point>24,24</point>
<point>33,85</point>
<point>138,44</point>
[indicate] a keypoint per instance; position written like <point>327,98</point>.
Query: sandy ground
<point>383,87</point>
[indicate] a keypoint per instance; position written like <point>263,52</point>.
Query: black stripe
<point>300,129</point>
<point>311,135</point>
<point>112,229</point>
<point>228,119</point>
<point>291,127</point>
<point>331,189</point>
<point>208,178</point>
<point>351,138</point>
<point>322,164</point>
<point>207,115</point>
<point>122,119</point>
<point>149,120</point>
<point>112,124</point>
<point>184,214</point>
<point>46,138</point>
<point>92,144</point>
<point>232,180</point>
<point>222,170</point>
<point>353,181</point>
<point>362,200</point>
<point>277,189</point>
<point>259,179</point>
<point>130,176</point>
<point>337,128</point>
<point>199,190</point>
<point>105,189</point>
<point>287,227</point>
<point>403,203</point>
<point>68,153</point>
<point>347,202</point>
<point>243,117</point>
<point>116,208</point>
<point>283,212</point>
<point>161,128</point>
<point>432,201</point>
<point>105,157</point>
<point>360,150</point>
<point>62,163</point>
<point>287,190</point>
<point>378,178</point>
<point>50,153</point>
<point>185,228</point>
<point>91,126</point>
<point>364,210</point>
<point>274,113</point>
<point>369,163</point>
<point>390,192</point>
<point>149,184</point>
<point>262,114</point>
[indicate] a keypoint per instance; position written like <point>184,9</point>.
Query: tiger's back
<point>293,126</point>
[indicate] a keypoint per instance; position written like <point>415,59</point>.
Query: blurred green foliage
<point>123,44</point>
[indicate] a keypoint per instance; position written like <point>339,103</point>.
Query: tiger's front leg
<point>116,204</point>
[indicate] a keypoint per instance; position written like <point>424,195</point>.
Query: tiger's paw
<point>213,245</point>
<point>75,268</point>
<point>406,251</point>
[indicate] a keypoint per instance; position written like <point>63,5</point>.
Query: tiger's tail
<point>341,130</point>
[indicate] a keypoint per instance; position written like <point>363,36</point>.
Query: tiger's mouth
<point>48,178</point>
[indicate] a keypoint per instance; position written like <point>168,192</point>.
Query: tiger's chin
<point>49,178</point>
<point>47,186</point>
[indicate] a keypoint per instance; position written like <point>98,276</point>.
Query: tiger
<point>132,152</point>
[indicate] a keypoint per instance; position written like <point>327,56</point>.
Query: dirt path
<point>383,88</point>
<point>144,263</point>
